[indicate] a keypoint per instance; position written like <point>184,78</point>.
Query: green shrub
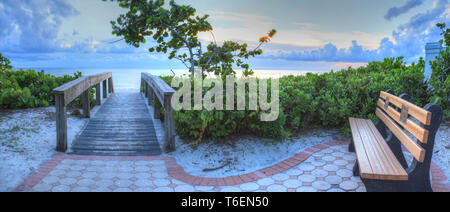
<point>315,100</point>
<point>30,89</point>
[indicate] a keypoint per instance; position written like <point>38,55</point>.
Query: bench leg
<point>356,169</point>
<point>351,147</point>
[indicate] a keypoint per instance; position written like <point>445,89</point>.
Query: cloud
<point>32,25</point>
<point>397,11</point>
<point>408,40</point>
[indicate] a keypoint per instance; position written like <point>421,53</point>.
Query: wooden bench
<point>380,160</point>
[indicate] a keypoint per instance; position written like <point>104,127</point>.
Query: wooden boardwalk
<point>122,127</point>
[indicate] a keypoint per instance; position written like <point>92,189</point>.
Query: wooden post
<point>112,85</point>
<point>105,93</point>
<point>150,96</point>
<point>98,97</point>
<point>169,124</point>
<point>156,107</point>
<point>61,123</point>
<point>145,89</point>
<point>86,106</point>
<point>109,85</point>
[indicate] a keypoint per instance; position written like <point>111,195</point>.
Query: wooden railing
<point>156,89</point>
<point>66,93</point>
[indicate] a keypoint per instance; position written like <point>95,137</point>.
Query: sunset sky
<point>312,34</point>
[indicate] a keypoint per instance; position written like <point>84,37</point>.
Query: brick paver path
<point>324,167</point>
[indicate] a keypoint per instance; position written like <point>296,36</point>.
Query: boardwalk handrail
<point>156,89</point>
<point>66,93</point>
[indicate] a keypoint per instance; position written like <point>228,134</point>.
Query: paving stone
<point>42,187</point>
<point>89,175</point>
<point>86,182</point>
<point>142,175</point>
<point>361,189</point>
<point>276,188</point>
<point>62,167</point>
<point>184,188</point>
<point>104,183</point>
<point>125,169</point>
<point>143,183</point>
<point>124,175</point>
<point>57,172</point>
<point>306,167</point>
<point>335,190</point>
<point>61,188</point>
<point>329,158</point>
<point>348,185</point>
<point>50,179</point>
<point>73,174</point>
<point>123,190</point>
<point>337,154</point>
<point>94,169</point>
<point>292,183</point>
<point>77,168</point>
<point>321,185</point>
<point>107,175</point>
<point>158,169</point>
<point>163,189</point>
<point>340,162</point>
<point>280,177</point>
<point>68,181</point>
<point>230,189</point>
<point>161,182</point>
<point>81,189</point>
<point>123,183</point>
<point>160,175</point>
<point>319,173</point>
<point>157,162</point>
<point>294,172</point>
<point>306,178</point>
<point>126,163</point>
<point>101,189</point>
<point>327,151</point>
<point>344,173</point>
<point>143,189</point>
<point>249,186</point>
<point>318,163</point>
<point>67,161</point>
<point>265,181</point>
<point>306,189</point>
<point>142,168</point>
<point>204,188</point>
<point>331,168</point>
<point>141,163</point>
<point>349,157</point>
<point>177,182</point>
<point>356,179</point>
<point>334,180</point>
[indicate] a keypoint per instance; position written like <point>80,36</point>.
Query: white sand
<point>28,139</point>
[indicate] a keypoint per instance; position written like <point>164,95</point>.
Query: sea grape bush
<point>319,100</point>
<point>31,89</point>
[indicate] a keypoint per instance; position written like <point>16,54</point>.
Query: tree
<point>445,33</point>
<point>176,30</point>
<point>4,62</point>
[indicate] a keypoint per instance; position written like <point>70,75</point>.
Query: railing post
<point>61,123</point>
<point>150,96</point>
<point>169,124</point>
<point>145,89</point>
<point>110,85</point>
<point>86,106</point>
<point>156,107</point>
<point>105,92</point>
<point>98,98</point>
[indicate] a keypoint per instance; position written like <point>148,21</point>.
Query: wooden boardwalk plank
<point>122,127</point>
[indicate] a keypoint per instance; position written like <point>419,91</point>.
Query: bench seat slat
<point>375,159</point>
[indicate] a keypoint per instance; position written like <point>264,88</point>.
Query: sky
<point>312,34</point>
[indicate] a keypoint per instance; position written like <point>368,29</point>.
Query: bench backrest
<point>396,113</point>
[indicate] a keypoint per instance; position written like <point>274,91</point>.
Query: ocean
<point>129,79</point>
